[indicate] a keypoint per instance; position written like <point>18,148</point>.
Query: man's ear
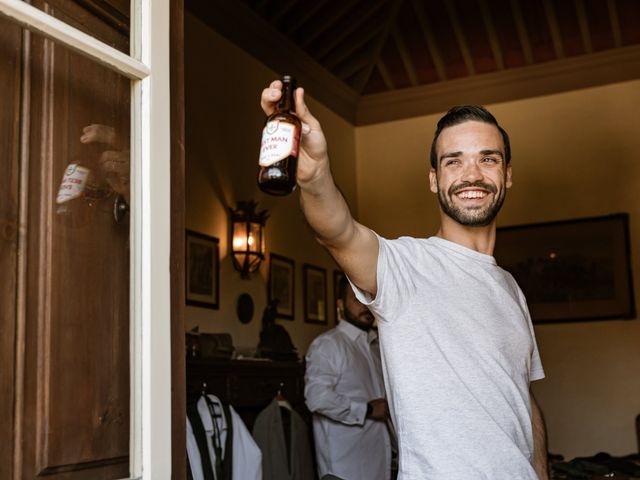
<point>509,181</point>
<point>433,180</point>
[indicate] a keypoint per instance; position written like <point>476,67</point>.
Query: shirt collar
<point>354,332</point>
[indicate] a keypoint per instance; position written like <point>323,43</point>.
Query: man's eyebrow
<point>492,152</point>
<point>450,155</point>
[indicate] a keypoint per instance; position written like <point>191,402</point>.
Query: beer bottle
<point>80,190</point>
<point>279,147</point>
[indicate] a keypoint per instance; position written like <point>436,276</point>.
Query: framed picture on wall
<point>571,270</point>
<point>280,285</point>
<point>338,275</point>
<point>203,270</point>
<point>314,281</point>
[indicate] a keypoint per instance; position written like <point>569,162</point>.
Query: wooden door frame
<point>178,368</point>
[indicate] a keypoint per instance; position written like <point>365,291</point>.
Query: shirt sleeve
<point>393,278</point>
<point>536,371</point>
<point>321,378</point>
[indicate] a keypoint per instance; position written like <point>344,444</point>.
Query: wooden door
<point>10,43</point>
<point>65,348</point>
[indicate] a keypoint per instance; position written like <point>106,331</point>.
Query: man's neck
<point>480,239</point>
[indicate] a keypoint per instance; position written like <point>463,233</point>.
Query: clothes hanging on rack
<point>219,446</point>
<point>269,434</point>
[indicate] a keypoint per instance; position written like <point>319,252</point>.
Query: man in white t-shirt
<point>345,392</point>
<point>458,348</point>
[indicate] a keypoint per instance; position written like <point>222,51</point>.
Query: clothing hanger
<point>281,399</point>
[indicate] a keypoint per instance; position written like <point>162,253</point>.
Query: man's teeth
<point>472,194</point>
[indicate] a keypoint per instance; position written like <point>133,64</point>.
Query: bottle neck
<point>286,103</point>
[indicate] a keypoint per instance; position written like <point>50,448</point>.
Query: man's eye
<point>452,161</point>
<point>489,160</point>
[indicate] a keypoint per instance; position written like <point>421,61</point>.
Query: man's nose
<point>471,172</point>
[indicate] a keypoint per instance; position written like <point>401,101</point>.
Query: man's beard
<point>358,321</point>
<point>472,217</point>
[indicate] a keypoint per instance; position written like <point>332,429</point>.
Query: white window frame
<point>148,68</point>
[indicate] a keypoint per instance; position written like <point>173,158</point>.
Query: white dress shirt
<point>343,373</point>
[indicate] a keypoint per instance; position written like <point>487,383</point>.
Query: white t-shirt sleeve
<point>393,280</point>
<point>536,371</point>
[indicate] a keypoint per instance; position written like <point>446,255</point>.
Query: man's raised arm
<point>352,245</point>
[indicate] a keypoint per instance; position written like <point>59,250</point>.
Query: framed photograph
<point>280,285</point>
<point>337,277</point>
<point>203,270</point>
<point>571,270</point>
<point>314,281</point>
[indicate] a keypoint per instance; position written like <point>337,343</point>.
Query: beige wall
<point>574,155</point>
<point>223,126</point>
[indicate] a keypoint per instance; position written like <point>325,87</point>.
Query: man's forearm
<point>353,246</point>
<point>325,209</point>
<point>540,462</point>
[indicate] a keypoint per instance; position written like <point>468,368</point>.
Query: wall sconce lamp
<point>247,238</point>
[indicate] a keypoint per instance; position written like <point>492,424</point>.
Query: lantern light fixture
<point>247,237</point>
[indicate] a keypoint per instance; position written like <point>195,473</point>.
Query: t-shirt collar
<point>462,250</point>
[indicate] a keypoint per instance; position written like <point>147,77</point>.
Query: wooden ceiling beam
<point>583,22</point>
<point>261,5</point>
<point>337,13</point>
<point>327,47</point>
<point>283,11</point>
<point>460,38</point>
<point>430,40</point>
<point>521,28</point>
<point>339,55</point>
<point>496,50</point>
<point>615,23</point>
<point>362,79</point>
<point>404,55</point>
<point>384,73</point>
<point>552,22</point>
<point>350,69</point>
<point>306,15</point>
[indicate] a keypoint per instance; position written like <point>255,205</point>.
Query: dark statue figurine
<point>275,342</point>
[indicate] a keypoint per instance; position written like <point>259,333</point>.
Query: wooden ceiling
<point>378,60</point>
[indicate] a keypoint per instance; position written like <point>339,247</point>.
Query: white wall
<point>574,155</point>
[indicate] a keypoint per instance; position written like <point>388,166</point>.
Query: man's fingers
<point>304,114</point>
<point>270,97</point>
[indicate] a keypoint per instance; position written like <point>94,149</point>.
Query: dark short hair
<point>343,284</point>
<point>466,113</point>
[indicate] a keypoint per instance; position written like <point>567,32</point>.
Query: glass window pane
<point>106,20</point>
<point>71,152</point>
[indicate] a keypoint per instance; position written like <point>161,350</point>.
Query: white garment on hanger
<point>247,458</point>
<point>269,435</point>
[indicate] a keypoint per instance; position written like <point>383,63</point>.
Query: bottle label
<point>279,140</point>
<point>73,183</point>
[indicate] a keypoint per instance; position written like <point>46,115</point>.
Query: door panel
<point>10,50</point>
<point>72,414</point>
<point>79,392</point>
